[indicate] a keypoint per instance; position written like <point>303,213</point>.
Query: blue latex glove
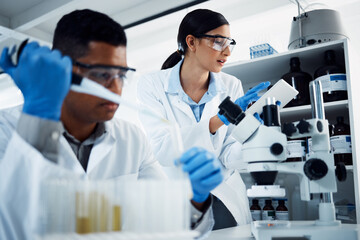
<point>204,171</point>
<point>44,78</point>
<point>249,97</point>
<point>223,119</point>
<point>256,115</point>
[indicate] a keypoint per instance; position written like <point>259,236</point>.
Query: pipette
<point>87,86</point>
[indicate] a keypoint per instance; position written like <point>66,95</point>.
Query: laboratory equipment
<point>282,90</point>
<point>264,152</point>
<point>314,27</point>
<point>300,81</point>
<point>333,78</point>
<point>255,210</point>
<point>247,99</point>
<point>261,50</point>
<point>219,43</point>
<point>341,142</point>
<point>281,211</point>
<point>268,211</point>
<point>116,209</point>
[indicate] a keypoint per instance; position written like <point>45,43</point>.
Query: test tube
<point>93,209</point>
<point>185,185</point>
<point>177,148</point>
<point>83,224</point>
<point>116,218</point>
<point>104,210</point>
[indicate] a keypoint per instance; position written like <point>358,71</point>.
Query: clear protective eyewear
<point>105,74</point>
<point>219,43</point>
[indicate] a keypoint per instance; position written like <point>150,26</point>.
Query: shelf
<point>298,113</point>
<point>272,67</point>
<point>349,168</point>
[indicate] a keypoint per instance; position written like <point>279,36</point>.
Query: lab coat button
<point>195,216</point>
<point>54,136</point>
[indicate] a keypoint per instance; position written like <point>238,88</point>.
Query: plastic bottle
<point>341,142</point>
<point>268,212</point>
<point>282,212</point>
<point>333,78</point>
<point>300,81</point>
<point>255,210</point>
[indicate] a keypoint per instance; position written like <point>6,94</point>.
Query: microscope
<point>264,151</point>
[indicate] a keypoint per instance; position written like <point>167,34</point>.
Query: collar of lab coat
<point>105,128</point>
<point>107,143</point>
<point>172,84</point>
<point>97,153</point>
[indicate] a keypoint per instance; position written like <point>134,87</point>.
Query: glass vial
<point>341,142</point>
<point>333,78</point>
<point>282,212</point>
<point>300,81</point>
<point>268,212</point>
<point>255,210</point>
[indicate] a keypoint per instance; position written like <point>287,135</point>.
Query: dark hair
<point>75,30</point>
<point>197,22</point>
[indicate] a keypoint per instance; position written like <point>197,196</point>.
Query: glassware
<point>300,81</point>
<point>333,78</point>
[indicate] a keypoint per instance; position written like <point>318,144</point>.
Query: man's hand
<point>204,171</point>
<point>43,76</point>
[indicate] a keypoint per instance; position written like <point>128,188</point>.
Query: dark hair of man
<point>75,30</point>
<point>199,21</point>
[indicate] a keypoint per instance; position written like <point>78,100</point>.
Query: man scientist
<point>61,132</point>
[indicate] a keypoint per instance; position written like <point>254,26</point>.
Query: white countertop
<point>351,231</point>
<point>240,233</point>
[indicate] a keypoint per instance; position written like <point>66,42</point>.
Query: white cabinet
<point>271,68</point>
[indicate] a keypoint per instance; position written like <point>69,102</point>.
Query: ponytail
<point>172,60</point>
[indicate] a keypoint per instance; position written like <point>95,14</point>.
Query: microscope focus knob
<point>276,149</point>
<point>340,171</point>
<point>288,129</point>
<point>303,126</point>
<point>315,169</point>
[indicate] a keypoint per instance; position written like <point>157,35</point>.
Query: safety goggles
<point>219,43</point>
<point>104,74</point>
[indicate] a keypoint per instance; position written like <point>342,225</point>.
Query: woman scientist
<point>189,92</point>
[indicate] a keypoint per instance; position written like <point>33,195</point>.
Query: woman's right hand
<point>249,97</point>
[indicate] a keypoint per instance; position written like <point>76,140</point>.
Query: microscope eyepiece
<point>231,111</point>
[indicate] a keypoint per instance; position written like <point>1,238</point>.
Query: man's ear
<point>191,42</point>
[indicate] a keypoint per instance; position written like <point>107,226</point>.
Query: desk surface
<point>239,233</point>
<point>244,232</point>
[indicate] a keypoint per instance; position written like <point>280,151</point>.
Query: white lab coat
<point>153,93</point>
<point>119,153</point>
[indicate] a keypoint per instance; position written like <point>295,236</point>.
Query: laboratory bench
<point>344,231</point>
<point>242,232</point>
